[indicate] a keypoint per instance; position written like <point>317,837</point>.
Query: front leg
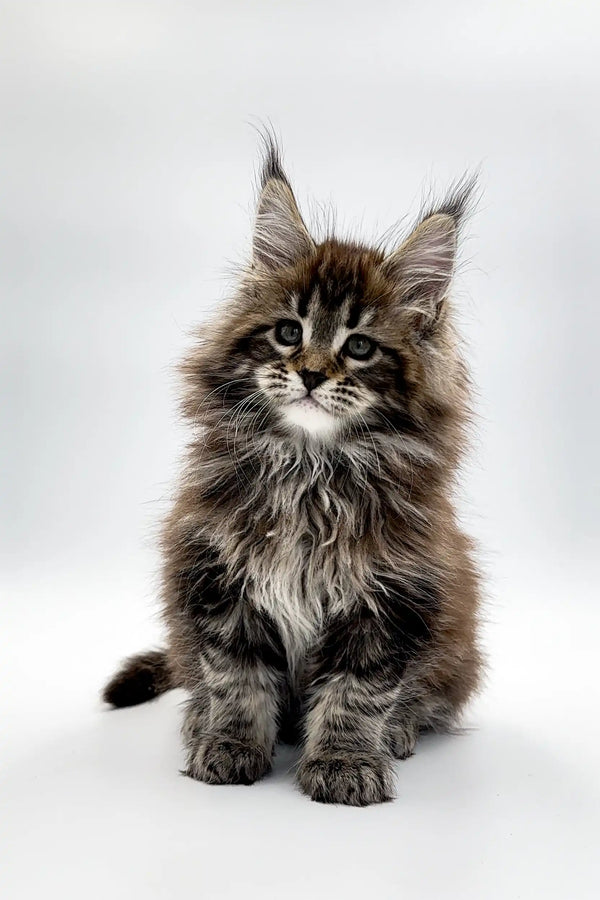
<point>345,760</point>
<point>356,687</point>
<point>231,724</point>
<point>234,667</point>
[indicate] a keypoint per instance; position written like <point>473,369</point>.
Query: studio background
<point>127,162</point>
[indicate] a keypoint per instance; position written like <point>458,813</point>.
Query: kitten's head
<point>332,341</point>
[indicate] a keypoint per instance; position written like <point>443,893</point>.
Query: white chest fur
<point>285,580</point>
<point>296,544</point>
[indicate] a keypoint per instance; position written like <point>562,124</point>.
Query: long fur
<point>316,582</point>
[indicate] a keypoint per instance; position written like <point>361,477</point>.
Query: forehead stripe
<point>354,315</point>
<point>303,303</point>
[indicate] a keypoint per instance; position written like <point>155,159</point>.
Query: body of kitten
<point>317,586</point>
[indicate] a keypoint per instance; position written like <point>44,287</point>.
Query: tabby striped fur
<point>317,585</point>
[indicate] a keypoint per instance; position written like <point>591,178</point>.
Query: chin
<point>306,416</point>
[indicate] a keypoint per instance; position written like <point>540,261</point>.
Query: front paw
<point>222,760</point>
<point>355,779</point>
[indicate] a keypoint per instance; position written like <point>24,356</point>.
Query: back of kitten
<point>316,582</point>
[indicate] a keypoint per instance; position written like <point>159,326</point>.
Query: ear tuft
<point>271,161</point>
<point>423,266</point>
<point>280,236</point>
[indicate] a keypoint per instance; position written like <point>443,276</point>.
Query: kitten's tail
<point>141,677</point>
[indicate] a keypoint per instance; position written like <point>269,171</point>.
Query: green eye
<point>359,346</point>
<point>288,332</point>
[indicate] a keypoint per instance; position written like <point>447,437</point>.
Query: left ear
<point>423,266</point>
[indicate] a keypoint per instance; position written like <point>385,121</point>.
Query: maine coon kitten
<point>317,586</point>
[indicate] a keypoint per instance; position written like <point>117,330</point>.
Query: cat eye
<point>288,332</point>
<point>359,346</point>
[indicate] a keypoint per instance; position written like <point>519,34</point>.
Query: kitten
<point>317,586</point>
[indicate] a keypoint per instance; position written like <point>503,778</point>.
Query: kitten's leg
<point>404,734</point>
<point>232,662</point>
<point>347,756</point>
<point>353,700</point>
<point>230,729</point>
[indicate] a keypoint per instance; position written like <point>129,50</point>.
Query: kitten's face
<point>316,383</point>
<point>322,362</point>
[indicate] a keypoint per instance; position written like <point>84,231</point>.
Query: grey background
<point>126,169</point>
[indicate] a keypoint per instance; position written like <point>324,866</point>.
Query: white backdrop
<point>126,172</point>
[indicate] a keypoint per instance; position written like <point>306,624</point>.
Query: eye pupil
<point>288,332</point>
<point>359,346</point>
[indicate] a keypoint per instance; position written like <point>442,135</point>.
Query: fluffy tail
<point>140,678</point>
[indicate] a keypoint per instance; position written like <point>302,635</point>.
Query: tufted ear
<point>423,266</point>
<point>280,236</point>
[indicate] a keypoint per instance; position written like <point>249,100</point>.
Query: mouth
<point>307,402</point>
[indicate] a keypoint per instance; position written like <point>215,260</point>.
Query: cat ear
<point>280,236</point>
<point>423,266</point>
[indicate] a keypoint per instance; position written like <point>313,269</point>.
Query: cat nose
<point>311,379</point>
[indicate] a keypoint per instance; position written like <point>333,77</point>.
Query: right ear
<point>423,266</point>
<point>280,236</point>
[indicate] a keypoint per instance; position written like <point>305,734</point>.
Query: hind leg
<point>409,720</point>
<point>404,735</point>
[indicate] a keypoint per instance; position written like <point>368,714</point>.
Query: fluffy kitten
<point>317,587</point>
